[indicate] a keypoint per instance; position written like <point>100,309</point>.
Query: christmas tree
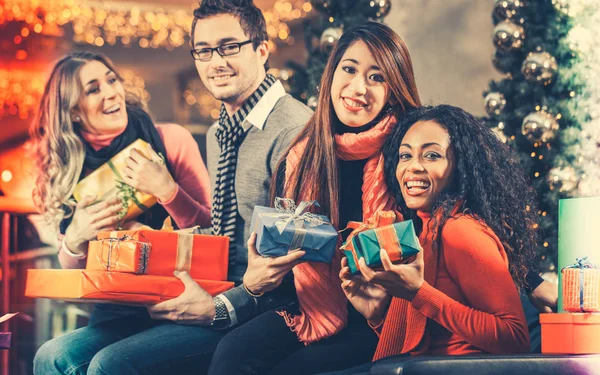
<point>546,105</point>
<point>321,34</point>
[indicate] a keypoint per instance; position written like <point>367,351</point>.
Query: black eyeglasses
<point>205,54</point>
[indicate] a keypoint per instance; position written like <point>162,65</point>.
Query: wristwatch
<point>221,319</point>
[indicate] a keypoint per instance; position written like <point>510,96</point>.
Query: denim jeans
<point>125,340</point>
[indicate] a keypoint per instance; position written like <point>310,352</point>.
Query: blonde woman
<point>85,118</point>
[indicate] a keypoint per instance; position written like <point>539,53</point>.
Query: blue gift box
<point>277,233</point>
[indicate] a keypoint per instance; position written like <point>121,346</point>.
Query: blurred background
<point>473,54</point>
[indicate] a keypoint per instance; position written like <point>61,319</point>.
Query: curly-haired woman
<point>475,212</point>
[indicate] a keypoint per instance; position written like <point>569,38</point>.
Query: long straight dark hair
<point>318,167</point>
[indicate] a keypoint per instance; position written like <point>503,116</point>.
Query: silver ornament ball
<point>563,179</point>
<point>329,38</point>
<point>494,103</point>
<point>380,8</point>
<point>507,9</point>
<point>539,67</point>
<point>509,36</point>
<point>539,127</point>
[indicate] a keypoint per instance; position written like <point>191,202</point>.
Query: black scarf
<point>139,126</point>
<point>230,135</point>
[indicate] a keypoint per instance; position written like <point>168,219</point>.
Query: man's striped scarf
<point>230,136</point>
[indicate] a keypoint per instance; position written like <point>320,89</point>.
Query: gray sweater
<point>257,158</point>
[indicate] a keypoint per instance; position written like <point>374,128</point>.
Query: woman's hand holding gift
<point>398,280</point>
<point>265,273</point>
<point>88,220</point>
<point>149,176</point>
<point>369,299</point>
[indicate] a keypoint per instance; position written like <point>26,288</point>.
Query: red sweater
<point>473,305</point>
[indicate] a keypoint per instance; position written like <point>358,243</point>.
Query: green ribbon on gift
<point>125,193</point>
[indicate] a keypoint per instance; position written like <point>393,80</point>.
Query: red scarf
<point>323,305</point>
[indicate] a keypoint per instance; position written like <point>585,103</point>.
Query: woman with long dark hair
<point>86,117</point>
<point>336,160</point>
<point>475,212</point>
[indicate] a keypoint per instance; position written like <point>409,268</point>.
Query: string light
<point>195,95</point>
<point>20,92</point>
<point>135,84</point>
<point>96,24</point>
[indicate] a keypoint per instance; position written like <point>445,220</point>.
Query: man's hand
<point>544,297</point>
<point>193,306</point>
<point>265,274</point>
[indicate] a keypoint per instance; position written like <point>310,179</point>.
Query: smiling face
<point>101,107</point>
<point>234,78</point>
<point>358,90</point>
<point>426,164</point>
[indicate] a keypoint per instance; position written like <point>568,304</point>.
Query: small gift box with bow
<point>120,255</point>
<point>581,287</point>
<point>204,257</point>
<point>289,227</point>
<point>107,182</point>
<point>367,239</point>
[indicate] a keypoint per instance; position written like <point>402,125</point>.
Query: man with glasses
<point>257,122</point>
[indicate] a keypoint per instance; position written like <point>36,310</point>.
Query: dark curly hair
<point>488,183</point>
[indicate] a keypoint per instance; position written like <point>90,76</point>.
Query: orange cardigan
<point>470,301</point>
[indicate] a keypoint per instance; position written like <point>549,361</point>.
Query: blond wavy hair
<point>59,151</point>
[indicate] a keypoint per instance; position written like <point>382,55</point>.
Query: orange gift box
<point>581,287</point>
<point>202,256</point>
<point>570,333</point>
<point>101,286</point>
<point>119,256</point>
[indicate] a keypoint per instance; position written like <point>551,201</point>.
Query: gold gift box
<point>106,182</point>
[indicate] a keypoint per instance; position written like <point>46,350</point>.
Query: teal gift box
<point>399,240</point>
<point>287,227</point>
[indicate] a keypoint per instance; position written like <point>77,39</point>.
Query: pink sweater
<point>191,203</point>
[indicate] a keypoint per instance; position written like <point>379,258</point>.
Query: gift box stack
<point>576,328</point>
<point>399,241</point>
<point>135,266</point>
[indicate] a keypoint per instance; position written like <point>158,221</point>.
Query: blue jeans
<point>125,340</point>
